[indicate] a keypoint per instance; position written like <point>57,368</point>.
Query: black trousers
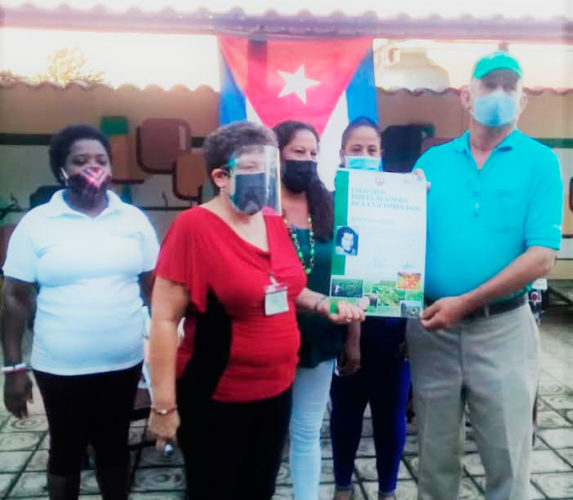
<point>94,409</point>
<point>232,451</point>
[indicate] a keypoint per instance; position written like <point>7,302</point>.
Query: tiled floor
<point>23,446</point>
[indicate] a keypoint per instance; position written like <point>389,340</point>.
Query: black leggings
<point>92,409</point>
<point>233,450</point>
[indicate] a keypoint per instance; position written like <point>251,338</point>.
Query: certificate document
<point>379,242</point>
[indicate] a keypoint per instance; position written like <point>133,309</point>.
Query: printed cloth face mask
<point>362,162</point>
<point>496,109</point>
<point>89,183</point>
<point>298,175</point>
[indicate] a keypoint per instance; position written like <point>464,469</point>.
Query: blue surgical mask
<point>362,162</point>
<point>496,109</point>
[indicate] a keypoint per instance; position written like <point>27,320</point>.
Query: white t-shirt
<point>89,308</point>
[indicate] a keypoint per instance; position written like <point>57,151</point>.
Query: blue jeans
<point>310,395</point>
<point>384,382</point>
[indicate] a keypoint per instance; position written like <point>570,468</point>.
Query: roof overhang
<point>304,24</point>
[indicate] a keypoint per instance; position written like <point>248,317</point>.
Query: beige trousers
<point>492,366</point>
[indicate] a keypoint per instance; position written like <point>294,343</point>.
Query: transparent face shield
<point>255,179</point>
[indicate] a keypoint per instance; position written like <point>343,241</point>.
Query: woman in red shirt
<point>230,269</point>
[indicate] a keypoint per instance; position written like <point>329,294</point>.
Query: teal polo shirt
<point>479,221</point>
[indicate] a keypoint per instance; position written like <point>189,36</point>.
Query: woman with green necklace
<point>308,213</point>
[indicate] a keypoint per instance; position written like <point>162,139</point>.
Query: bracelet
<point>19,367</point>
<point>320,301</point>
<point>163,411</point>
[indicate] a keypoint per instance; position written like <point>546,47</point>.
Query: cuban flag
<point>327,83</point>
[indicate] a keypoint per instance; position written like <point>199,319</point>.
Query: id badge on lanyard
<point>276,298</point>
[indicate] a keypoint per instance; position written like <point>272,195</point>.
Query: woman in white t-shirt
<point>90,256</point>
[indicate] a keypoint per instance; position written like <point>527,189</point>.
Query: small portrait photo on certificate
<point>346,241</point>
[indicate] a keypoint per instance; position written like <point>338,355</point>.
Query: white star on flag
<point>296,83</point>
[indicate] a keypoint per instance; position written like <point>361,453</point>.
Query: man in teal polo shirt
<point>494,225</point>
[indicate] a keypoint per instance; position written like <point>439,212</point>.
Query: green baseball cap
<point>494,61</point>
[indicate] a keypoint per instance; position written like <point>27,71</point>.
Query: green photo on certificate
<point>379,242</point>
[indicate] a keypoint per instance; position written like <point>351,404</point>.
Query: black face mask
<point>298,175</point>
<point>250,193</point>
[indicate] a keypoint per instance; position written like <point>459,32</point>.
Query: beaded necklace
<point>310,266</point>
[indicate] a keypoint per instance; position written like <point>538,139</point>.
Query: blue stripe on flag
<point>361,91</point>
<point>231,99</point>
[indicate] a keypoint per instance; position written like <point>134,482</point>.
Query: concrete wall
<point>45,109</point>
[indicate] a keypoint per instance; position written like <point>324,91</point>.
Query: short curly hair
<point>220,144</point>
<point>62,142</point>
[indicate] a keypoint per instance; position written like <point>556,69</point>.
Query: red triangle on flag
<point>293,79</point>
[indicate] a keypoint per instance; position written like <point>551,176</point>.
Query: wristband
<point>163,411</point>
<point>320,301</point>
<point>19,367</point>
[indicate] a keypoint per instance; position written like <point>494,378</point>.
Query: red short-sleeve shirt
<point>254,356</point>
